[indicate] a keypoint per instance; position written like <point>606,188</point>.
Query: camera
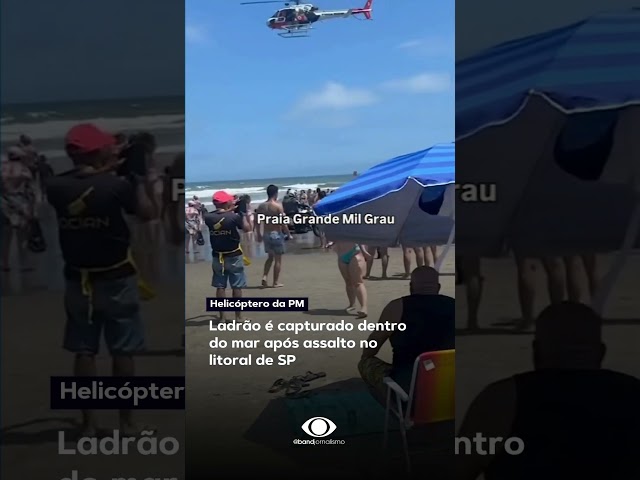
<point>135,153</point>
<point>242,205</point>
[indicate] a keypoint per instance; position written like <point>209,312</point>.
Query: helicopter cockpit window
<point>287,13</point>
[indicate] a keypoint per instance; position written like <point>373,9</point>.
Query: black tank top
<point>224,232</point>
<point>579,425</point>
<point>430,321</point>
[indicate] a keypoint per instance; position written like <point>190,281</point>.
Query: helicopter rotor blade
<point>287,3</point>
<point>265,1</point>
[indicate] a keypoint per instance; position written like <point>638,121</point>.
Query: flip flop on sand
<point>278,285</point>
<point>310,376</point>
<point>361,314</point>
<point>264,284</point>
<point>278,385</point>
<point>294,386</point>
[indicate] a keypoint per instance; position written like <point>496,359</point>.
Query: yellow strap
<point>144,289</point>
<point>245,260</point>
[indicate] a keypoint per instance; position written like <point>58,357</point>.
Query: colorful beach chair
<point>431,397</point>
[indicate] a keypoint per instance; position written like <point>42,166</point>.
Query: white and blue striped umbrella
<point>513,101</point>
<point>589,65</point>
<point>516,103</point>
<point>415,190</point>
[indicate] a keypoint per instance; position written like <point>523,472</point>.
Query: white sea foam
<point>58,128</point>
<point>258,194</point>
<point>208,193</point>
<point>303,186</point>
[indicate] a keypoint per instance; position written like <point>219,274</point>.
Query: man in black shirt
<point>101,279</point>
<point>574,418</point>
<point>429,318</point>
<point>228,260</point>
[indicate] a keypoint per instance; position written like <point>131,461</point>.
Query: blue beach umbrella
<point>415,191</point>
<point>515,105</point>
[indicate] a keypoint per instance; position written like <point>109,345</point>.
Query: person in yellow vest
<point>228,264</point>
<point>102,285</point>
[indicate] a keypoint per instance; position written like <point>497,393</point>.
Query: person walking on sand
<point>273,236</point>
<point>228,260</point>
<point>406,258</point>
<point>430,253</point>
<point>383,253</point>
<point>352,259</point>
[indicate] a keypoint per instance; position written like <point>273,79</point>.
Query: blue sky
<point>351,95</point>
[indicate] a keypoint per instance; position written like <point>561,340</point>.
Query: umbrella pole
<point>447,247</point>
<point>599,301</point>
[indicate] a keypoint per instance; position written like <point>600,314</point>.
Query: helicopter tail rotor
<point>366,10</point>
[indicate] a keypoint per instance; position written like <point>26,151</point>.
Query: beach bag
<point>36,242</point>
<point>200,239</point>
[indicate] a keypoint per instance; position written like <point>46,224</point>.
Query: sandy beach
<point>232,401</point>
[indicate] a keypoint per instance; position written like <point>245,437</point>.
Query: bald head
<point>568,335</point>
<point>425,281</point>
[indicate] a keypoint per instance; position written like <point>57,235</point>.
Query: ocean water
<point>256,189</point>
<point>47,123</point>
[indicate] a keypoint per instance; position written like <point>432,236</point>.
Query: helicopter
<point>296,19</point>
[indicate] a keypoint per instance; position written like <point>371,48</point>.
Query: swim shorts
<point>274,243</point>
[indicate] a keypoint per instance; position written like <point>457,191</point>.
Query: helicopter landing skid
<point>299,32</point>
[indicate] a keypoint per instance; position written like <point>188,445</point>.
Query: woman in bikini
<point>18,205</point>
<point>352,261</point>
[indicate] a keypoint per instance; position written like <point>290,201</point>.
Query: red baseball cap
<point>88,138</point>
<point>222,197</point>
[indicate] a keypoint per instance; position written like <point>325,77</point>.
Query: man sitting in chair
<point>430,326</point>
<point>571,417</point>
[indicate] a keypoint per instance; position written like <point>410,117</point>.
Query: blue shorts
<point>231,273</point>
<point>274,243</point>
<point>115,309</point>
